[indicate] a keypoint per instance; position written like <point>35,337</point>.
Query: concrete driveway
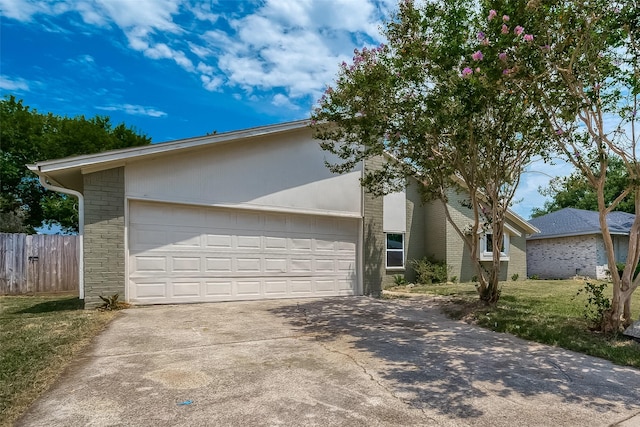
<point>341,361</point>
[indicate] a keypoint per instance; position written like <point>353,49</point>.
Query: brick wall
<point>458,256</point>
<point>374,255</point>
<point>416,235</point>
<point>104,252</point>
<point>558,258</point>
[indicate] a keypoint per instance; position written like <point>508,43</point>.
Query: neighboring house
<point>250,214</point>
<point>570,244</point>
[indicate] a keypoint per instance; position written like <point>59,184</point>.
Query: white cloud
<point>280,100</point>
<point>211,83</point>
<point>13,84</point>
<point>135,110</point>
<point>292,46</point>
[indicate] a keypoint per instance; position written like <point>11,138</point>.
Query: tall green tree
<point>27,136</point>
<point>574,191</point>
<point>586,86</point>
<point>440,99</point>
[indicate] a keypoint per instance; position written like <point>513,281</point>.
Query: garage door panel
<point>223,241</point>
<point>275,287</point>
<point>218,288</point>
<point>156,289</point>
<point>248,287</point>
<point>301,286</point>
<point>187,264</point>
<point>300,244</point>
<point>186,289</point>
<point>207,254</point>
<point>275,265</point>
<point>154,264</point>
<point>219,265</point>
<point>249,242</point>
<point>185,239</point>
<point>275,243</point>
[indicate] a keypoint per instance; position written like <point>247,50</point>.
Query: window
<point>395,250</point>
<point>486,247</point>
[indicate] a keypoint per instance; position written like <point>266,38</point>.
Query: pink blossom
<point>528,37</point>
<point>559,131</point>
<point>477,56</point>
<point>518,30</point>
<point>481,36</point>
<point>485,42</point>
<point>467,72</point>
<point>505,18</point>
<point>477,69</point>
<point>492,14</point>
<point>505,29</point>
<point>502,56</point>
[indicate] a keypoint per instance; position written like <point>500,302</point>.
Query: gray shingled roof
<point>576,222</point>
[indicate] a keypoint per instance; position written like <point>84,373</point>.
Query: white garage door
<point>188,254</point>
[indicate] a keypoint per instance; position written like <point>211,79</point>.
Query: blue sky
<point>179,68</point>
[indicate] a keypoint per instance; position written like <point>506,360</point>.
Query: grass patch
<point>545,311</point>
<point>39,336</point>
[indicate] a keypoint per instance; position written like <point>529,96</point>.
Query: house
<point>570,243</point>
<point>249,214</point>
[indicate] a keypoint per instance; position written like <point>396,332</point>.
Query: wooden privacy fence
<point>38,263</point>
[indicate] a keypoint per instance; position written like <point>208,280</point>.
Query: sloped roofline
<point>114,158</point>
<point>120,155</point>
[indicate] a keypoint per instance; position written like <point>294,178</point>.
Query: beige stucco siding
<point>282,172</point>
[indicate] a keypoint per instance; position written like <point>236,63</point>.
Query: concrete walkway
<point>331,362</point>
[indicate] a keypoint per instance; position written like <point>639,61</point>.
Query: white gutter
<point>80,253</point>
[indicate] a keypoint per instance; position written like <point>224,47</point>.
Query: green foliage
<point>534,277</point>
<point>621,266</point>
<point>544,311</point>
<point>586,86</point>
<point>574,191</point>
<point>596,305</point>
<point>29,136</point>
<point>455,117</point>
<point>515,277</point>
<point>39,337</point>
<point>429,270</point>
<point>399,280</point>
<point>111,303</point>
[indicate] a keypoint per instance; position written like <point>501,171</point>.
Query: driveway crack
<point>364,369</point>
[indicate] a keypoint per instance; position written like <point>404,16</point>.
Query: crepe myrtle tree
<point>440,101</point>
<point>586,87</point>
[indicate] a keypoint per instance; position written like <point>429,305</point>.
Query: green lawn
<point>546,311</point>
<point>39,335</point>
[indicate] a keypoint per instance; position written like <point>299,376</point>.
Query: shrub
<point>399,280</point>
<point>596,303</point>
<point>515,277</point>
<point>534,277</point>
<point>112,303</point>
<point>620,266</point>
<point>429,270</point>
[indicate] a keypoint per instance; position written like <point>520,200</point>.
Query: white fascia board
<point>90,161</point>
<point>579,233</point>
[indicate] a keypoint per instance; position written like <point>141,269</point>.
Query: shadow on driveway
<point>463,371</point>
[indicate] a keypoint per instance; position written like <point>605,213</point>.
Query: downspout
<point>80,254</point>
